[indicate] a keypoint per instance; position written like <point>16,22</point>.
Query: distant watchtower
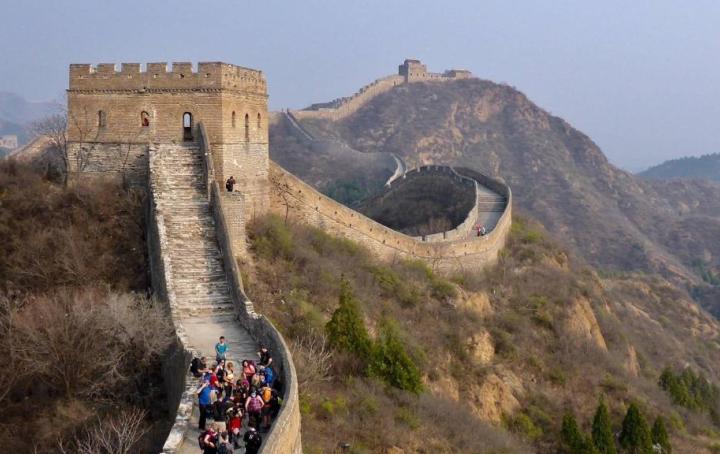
<point>113,116</point>
<point>412,70</point>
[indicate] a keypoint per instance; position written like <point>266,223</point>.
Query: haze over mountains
<point>16,114</point>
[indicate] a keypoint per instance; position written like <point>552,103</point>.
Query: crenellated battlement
<point>160,76</point>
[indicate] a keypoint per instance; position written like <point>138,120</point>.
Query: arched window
<point>247,127</point>
<point>187,126</point>
<point>259,121</point>
<point>102,119</point>
<point>233,119</point>
<point>144,119</point>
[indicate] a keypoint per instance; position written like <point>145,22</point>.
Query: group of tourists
<point>247,397</point>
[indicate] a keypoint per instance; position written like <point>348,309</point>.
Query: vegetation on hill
<point>705,167</point>
<point>615,220</point>
<point>83,344</point>
<point>501,355</point>
<point>336,170</point>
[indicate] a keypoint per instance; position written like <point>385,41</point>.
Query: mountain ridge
<point>612,218</point>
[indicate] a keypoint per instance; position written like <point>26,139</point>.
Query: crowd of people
<point>248,397</point>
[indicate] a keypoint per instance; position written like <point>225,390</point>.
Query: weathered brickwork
<point>109,109</point>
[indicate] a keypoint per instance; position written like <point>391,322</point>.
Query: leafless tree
<point>313,358</point>
<point>78,342</point>
<point>55,128</point>
<point>284,191</point>
<point>116,434</point>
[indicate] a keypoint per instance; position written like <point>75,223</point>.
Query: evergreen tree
<point>660,435</point>
<point>573,440</point>
<point>602,434</point>
<point>635,435</point>
<point>391,363</point>
<point>346,329</point>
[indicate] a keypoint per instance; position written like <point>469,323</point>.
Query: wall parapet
<point>156,76</point>
<point>305,204</point>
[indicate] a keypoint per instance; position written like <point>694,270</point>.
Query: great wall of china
<point>183,132</point>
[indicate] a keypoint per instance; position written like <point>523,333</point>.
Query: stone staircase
<point>195,263</point>
<point>491,203</point>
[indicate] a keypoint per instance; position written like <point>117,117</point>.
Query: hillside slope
<point>706,167</point>
<point>501,355</point>
<point>612,218</point>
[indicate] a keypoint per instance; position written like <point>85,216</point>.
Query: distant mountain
<point>704,167</point>
<point>16,109</point>
<point>614,219</point>
<point>10,128</point>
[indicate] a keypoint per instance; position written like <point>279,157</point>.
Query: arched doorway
<point>187,126</point>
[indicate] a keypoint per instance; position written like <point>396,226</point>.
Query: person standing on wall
<point>221,349</point>
<point>230,183</point>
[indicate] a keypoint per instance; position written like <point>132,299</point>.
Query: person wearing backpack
<point>208,440</point>
<point>253,408</point>
<point>266,393</point>
<point>253,440</point>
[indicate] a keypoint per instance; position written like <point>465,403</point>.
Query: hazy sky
<point>640,77</point>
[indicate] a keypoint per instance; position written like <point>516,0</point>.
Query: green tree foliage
<point>635,436</point>
<point>391,363</point>
<point>690,390</point>
<point>346,329</point>
<point>660,435</point>
<point>572,439</point>
<point>602,434</point>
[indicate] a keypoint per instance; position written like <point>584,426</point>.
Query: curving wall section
<point>304,204</point>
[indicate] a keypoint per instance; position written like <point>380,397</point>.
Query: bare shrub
<point>115,434</point>
<point>313,358</point>
<point>83,343</point>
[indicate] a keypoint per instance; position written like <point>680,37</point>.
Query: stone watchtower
<point>114,116</point>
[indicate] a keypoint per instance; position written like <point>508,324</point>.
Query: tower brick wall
<point>113,115</point>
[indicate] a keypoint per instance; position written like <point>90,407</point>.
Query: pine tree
<point>635,435</point>
<point>602,434</point>
<point>660,435</point>
<point>346,329</point>
<point>391,362</point>
<point>573,440</point>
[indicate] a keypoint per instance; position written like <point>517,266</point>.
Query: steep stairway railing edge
<point>284,435</point>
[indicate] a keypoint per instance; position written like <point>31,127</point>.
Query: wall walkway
<point>194,267</point>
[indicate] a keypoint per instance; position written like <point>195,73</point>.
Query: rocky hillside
<point>704,167</point>
<point>490,362</point>
<point>612,218</point>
